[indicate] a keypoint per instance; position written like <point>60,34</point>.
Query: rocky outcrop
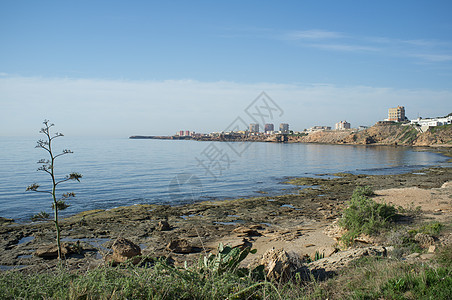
<point>424,240</point>
<point>330,265</point>
<point>163,226</point>
<point>383,134</point>
<point>180,246</point>
<point>51,251</point>
<point>278,265</point>
<point>124,250</point>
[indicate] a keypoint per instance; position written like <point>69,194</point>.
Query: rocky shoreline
<point>294,222</point>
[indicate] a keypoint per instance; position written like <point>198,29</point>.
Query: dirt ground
<point>435,203</point>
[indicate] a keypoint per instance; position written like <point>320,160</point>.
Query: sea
<point>122,171</point>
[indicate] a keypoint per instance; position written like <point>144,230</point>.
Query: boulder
<point>179,246</point>
<point>278,265</point>
<point>124,250</point>
<point>163,226</point>
<point>341,259</point>
<point>51,251</point>
<point>424,240</point>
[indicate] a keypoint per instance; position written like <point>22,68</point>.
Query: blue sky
<point>152,67</point>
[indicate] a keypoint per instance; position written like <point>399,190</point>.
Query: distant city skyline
<point>148,67</point>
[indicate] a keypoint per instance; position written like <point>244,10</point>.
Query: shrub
<point>364,215</point>
<point>363,191</point>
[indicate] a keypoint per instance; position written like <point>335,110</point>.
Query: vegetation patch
<point>364,215</point>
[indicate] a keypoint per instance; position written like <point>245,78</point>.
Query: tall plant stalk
<point>48,166</point>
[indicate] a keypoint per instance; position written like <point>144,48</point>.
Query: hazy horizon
<point>149,68</point>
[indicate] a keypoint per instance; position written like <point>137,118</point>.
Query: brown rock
<point>241,243</point>
<point>51,251</point>
<point>180,246</point>
<point>427,256</point>
<point>341,259</point>
<point>335,231</point>
<point>277,265</point>
<point>424,240</point>
<point>326,251</point>
<point>248,231</point>
<point>123,250</point>
<point>365,239</point>
<point>163,226</point>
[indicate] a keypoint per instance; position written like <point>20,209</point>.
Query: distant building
<point>284,128</point>
<point>342,125</point>
<point>427,123</point>
<point>187,132</point>
<point>268,128</point>
<point>396,114</point>
<point>361,128</point>
<point>181,133</point>
<point>254,128</point>
<point>318,128</point>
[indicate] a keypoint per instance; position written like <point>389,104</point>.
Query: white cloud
<point>344,47</point>
<point>425,50</point>
<point>313,34</point>
<point>434,57</point>
<point>123,108</point>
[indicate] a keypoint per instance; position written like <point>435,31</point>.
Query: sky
<point>121,68</point>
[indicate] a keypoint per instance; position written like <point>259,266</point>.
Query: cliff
<point>384,134</point>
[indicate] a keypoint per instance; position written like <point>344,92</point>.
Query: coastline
<point>294,220</point>
<point>394,134</point>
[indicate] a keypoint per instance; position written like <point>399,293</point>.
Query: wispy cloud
<point>344,47</point>
<point>424,50</point>
<point>434,57</point>
<point>314,34</point>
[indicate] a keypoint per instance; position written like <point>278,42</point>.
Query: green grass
<point>157,282</point>
<point>379,278</point>
<point>367,278</point>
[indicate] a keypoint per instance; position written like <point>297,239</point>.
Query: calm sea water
<point>119,172</point>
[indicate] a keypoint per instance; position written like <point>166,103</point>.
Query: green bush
<point>366,191</point>
<point>364,215</point>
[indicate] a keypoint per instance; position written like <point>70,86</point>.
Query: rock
<point>241,243</point>
<point>163,226</point>
<point>424,240</point>
<point>248,231</point>
<point>335,231</point>
<point>413,255</point>
<point>5,221</point>
<point>123,250</point>
<point>341,259</point>
<point>326,251</point>
<point>365,239</point>
<point>278,265</point>
<point>390,248</point>
<point>51,251</point>
<point>180,246</point>
<point>427,256</point>
<point>431,249</point>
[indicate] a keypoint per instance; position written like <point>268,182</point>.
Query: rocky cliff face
<point>384,134</point>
